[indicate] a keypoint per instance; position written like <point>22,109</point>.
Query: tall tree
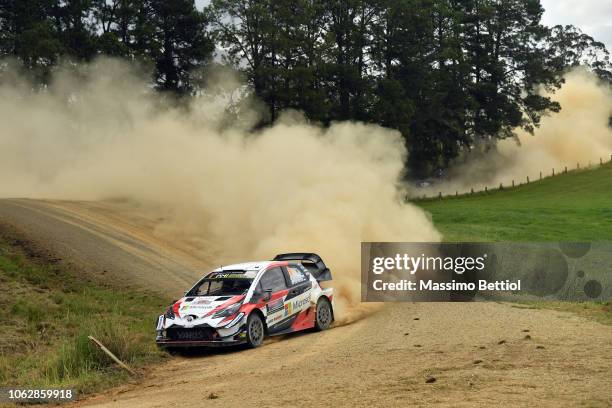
<point>117,23</point>
<point>571,47</point>
<point>349,27</point>
<point>77,31</point>
<point>246,31</point>
<point>178,42</point>
<point>29,33</point>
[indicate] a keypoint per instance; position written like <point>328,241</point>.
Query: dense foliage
<point>448,74</point>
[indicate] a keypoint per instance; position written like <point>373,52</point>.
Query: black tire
<point>324,316</point>
<point>255,330</point>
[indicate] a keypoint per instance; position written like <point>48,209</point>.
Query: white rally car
<point>242,303</point>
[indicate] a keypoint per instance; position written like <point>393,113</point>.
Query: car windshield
<point>221,287</point>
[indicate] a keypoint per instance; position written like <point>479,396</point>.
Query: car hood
<point>197,307</point>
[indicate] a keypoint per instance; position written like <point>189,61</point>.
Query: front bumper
<point>200,336</point>
<point>199,343</point>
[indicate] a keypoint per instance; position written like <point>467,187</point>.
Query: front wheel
<point>254,330</point>
<point>324,315</point>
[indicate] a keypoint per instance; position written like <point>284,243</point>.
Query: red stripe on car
<point>175,308</point>
<point>223,305</point>
<point>277,263</point>
<point>305,319</point>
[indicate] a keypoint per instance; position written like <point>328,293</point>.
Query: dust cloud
<point>98,133</point>
<point>579,133</point>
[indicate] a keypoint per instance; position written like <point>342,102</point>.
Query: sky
<point>594,17</point>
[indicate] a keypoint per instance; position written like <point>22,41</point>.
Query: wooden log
<point>112,356</point>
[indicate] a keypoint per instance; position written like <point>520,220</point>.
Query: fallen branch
<point>111,355</point>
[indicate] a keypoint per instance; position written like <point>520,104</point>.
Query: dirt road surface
<point>116,241</point>
<point>409,354</point>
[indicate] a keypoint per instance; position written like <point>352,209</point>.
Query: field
<point>47,313</point>
<point>570,207</point>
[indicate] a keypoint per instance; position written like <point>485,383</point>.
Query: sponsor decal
<point>275,305</point>
<point>300,303</point>
<point>277,318</point>
<point>197,307</point>
<point>296,304</point>
<point>226,275</point>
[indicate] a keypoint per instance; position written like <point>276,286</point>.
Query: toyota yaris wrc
<point>242,303</point>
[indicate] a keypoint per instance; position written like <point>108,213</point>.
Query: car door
<point>273,282</point>
<point>300,288</point>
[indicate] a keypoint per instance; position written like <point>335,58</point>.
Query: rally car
<point>242,303</point>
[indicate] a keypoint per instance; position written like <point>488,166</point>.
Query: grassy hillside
<point>46,314</point>
<point>571,207</point>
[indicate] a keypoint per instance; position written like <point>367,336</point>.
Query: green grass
<point>571,207</point>
<point>576,206</point>
<point>47,313</point>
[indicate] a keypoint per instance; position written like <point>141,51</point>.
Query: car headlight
<point>234,321</point>
<point>169,313</point>
<point>228,311</point>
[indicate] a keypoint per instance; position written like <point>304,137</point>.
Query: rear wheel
<point>324,314</point>
<point>254,330</point>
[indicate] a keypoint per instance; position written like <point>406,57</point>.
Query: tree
<point>570,47</point>
<point>245,31</point>
<point>177,42</point>
<point>117,23</point>
<point>348,26</point>
<point>28,33</point>
<point>76,29</point>
<point>451,75</point>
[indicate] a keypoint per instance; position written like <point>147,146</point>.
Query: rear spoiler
<point>312,262</point>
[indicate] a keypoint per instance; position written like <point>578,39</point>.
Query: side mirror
<point>268,295</point>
